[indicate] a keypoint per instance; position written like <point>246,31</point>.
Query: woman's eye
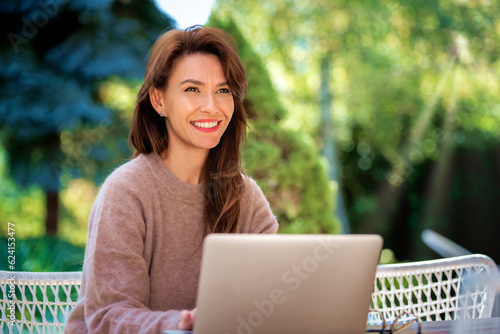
<point>224,90</point>
<point>191,89</point>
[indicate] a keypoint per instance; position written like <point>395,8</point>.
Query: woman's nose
<point>209,103</point>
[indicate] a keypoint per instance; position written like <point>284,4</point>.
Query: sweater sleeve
<point>115,281</point>
<point>263,220</point>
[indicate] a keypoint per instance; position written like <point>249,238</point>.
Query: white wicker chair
<point>460,287</point>
<point>42,303</point>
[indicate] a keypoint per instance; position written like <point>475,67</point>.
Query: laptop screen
<point>286,283</point>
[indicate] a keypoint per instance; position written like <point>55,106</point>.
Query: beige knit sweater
<point>142,260</point>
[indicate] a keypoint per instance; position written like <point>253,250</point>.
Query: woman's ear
<point>156,97</point>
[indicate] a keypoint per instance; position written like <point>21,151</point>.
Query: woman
<point>185,181</point>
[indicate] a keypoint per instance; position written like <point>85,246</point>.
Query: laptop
<point>285,283</point>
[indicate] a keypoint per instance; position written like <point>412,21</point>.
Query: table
<point>473,326</point>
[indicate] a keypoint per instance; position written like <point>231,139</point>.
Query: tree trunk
<point>327,129</point>
<point>52,206</point>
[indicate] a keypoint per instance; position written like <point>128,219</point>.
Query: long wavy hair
<point>222,169</point>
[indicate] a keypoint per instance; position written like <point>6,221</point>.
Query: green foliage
<point>44,254</point>
<point>414,89</point>
<point>25,207</point>
<point>284,162</point>
<point>52,120</point>
<point>19,206</point>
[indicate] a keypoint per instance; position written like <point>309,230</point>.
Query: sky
<point>187,13</point>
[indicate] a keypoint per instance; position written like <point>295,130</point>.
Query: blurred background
<point>366,116</point>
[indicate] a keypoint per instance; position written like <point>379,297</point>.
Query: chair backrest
<point>445,289</point>
<point>37,302</point>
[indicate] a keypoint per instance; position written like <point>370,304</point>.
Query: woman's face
<point>197,103</point>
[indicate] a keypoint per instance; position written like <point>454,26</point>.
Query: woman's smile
<point>206,125</point>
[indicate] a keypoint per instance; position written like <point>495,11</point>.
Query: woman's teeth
<point>206,125</point>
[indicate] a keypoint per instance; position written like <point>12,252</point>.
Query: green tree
<point>414,85</point>
<point>55,56</point>
<point>284,161</point>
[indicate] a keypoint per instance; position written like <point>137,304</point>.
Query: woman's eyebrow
<point>222,84</point>
<point>197,82</point>
<point>193,81</point>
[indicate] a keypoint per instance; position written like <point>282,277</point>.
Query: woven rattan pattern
<point>43,300</point>
<point>445,289</point>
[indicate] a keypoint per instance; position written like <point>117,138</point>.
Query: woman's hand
<point>186,320</point>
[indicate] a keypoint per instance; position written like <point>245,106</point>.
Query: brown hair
<point>222,169</point>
